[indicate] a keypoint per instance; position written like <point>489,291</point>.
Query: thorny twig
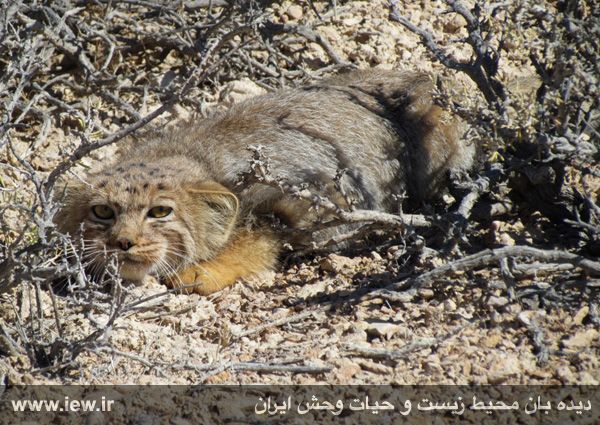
<point>405,351</point>
<point>33,91</point>
<point>406,290</point>
<point>482,69</point>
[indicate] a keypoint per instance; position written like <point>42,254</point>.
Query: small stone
<point>310,290</point>
<point>510,44</point>
<point>295,12</point>
<point>337,263</point>
<point>497,301</point>
<point>582,339</point>
<point>426,293</point>
<point>239,90</point>
<point>219,378</point>
<point>586,379</point>
<point>448,199</point>
<point>495,318</point>
<point>375,256</point>
<point>347,369</point>
<point>350,22</point>
<point>449,305</point>
<point>305,380</point>
<point>503,367</point>
<point>432,364</point>
<point>527,317</point>
<point>506,240</point>
<point>394,251</point>
<point>371,366</point>
<point>565,375</point>
<point>492,340</point>
<point>273,338</point>
<point>454,24</point>
<point>581,315</point>
<point>513,309</point>
<point>384,329</point>
<point>357,336</point>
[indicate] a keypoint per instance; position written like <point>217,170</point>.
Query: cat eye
<point>103,212</point>
<point>159,212</point>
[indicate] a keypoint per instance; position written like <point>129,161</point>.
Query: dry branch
<point>406,290</point>
<point>482,69</point>
<point>38,90</point>
<point>405,351</point>
<point>312,35</point>
<point>212,369</point>
<point>401,353</point>
<point>281,322</point>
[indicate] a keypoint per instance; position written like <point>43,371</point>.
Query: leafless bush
<point>80,75</point>
<point>542,123</point>
<point>539,133</point>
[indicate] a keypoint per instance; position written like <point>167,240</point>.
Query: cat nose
<point>125,243</point>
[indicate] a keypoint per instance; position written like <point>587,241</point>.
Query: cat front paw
<point>186,280</point>
<point>196,280</point>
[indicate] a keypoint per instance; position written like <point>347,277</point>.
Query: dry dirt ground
<point>313,320</point>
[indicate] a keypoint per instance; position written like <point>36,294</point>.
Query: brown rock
<point>426,293</point>
<point>582,339</point>
<point>371,366</point>
<point>219,378</point>
<point>347,369</point>
<point>581,315</point>
<point>294,12</point>
<point>565,375</point>
<point>239,90</point>
<point>454,24</point>
<point>492,340</point>
<point>503,367</point>
<point>384,329</point>
<point>337,263</point>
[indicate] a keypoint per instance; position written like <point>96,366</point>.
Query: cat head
<point>155,218</point>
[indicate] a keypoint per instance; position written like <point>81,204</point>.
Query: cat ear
<point>70,197</point>
<point>221,200</point>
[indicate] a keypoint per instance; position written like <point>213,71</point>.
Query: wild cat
<point>173,205</point>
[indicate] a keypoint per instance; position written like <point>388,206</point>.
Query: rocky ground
<point>316,320</point>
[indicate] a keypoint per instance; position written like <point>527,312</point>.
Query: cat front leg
<point>249,253</point>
